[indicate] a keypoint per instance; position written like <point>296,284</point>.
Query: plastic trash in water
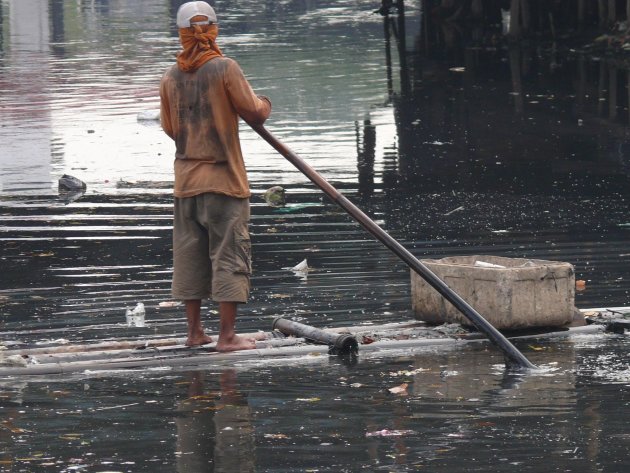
<point>390,433</point>
<point>148,116</point>
<point>135,316</point>
<point>301,269</point>
<point>169,304</point>
<point>71,188</point>
<point>295,207</point>
<point>71,183</point>
<point>275,196</point>
<point>302,266</point>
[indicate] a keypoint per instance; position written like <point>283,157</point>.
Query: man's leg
<point>191,266</point>
<point>228,339</point>
<point>196,335</point>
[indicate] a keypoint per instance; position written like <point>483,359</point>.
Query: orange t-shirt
<point>200,111</point>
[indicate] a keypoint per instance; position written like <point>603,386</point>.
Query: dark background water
<point>461,145</point>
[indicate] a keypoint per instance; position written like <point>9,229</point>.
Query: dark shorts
<point>211,248</point>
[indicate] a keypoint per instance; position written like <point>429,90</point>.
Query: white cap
<point>191,9</point>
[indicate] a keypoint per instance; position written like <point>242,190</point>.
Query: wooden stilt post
<point>601,88</point>
<point>517,84</point>
<point>581,91</point>
<point>612,11</point>
<point>515,18</point>
<point>612,92</point>
<point>581,12</point>
<point>525,15</point>
<point>601,11</point>
<point>477,9</point>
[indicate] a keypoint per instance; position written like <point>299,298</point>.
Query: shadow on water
<point>215,428</point>
<point>455,139</point>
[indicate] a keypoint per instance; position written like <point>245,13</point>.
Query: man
<point>202,97</point>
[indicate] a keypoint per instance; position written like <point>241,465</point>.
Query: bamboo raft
<point>283,341</point>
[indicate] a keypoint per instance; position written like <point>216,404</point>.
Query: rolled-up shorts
<point>211,248</point>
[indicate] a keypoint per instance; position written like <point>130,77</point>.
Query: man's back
<point>200,111</point>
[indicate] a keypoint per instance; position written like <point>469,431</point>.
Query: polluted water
<point>455,139</point>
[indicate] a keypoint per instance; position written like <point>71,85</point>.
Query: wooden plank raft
<point>143,353</point>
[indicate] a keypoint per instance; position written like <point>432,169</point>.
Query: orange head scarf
<point>199,46</point>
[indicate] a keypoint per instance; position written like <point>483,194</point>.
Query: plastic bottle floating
<point>135,316</point>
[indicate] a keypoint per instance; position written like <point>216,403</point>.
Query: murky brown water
<point>471,150</point>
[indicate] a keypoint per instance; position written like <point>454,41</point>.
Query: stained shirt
<point>200,112</point>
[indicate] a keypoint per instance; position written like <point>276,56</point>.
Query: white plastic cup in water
<point>135,316</point>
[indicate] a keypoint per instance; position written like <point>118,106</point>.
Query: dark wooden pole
<point>602,12</point>
<point>612,11</point>
<point>612,92</point>
<point>515,18</point>
<point>513,357</point>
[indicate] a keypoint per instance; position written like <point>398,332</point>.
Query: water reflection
<point>466,121</point>
<point>26,56</point>
<point>366,144</point>
<point>459,409</point>
<point>2,47</point>
<point>58,28</point>
<point>467,113</point>
<point>214,430</point>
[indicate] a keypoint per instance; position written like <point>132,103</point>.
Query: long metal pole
<point>513,357</point>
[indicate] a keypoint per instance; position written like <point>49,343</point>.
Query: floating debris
<point>302,266</point>
<point>135,316</point>
<point>301,269</point>
<point>308,399</point>
<point>149,115</point>
<point>71,188</point>
<point>295,207</point>
<point>169,304</point>
<point>408,372</point>
<point>455,210</point>
<point>276,436</point>
<point>58,341</point>
<point>275,196</point>
<point>437,143</point>
<point>390,433</point>
<point>71,183</point>
<point>401,390</point>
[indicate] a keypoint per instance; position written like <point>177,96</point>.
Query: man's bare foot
<point>199,340</point>
<point>236,343</point>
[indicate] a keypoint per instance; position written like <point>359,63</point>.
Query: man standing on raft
<point>202,97</point>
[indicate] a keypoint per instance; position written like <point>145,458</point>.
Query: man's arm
<point>165,111</point>
<point>250,107</point>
